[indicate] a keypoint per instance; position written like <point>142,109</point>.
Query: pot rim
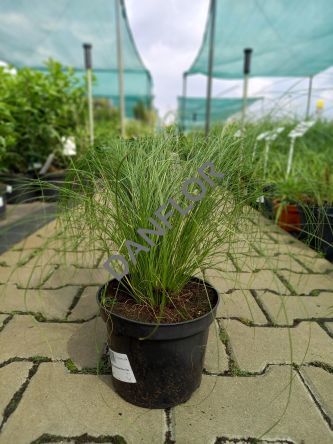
<point>150,324</point>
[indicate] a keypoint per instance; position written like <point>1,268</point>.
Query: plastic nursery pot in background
<point>157,366</point>
<point>19,188</point>
<point>2,201</point>
<point>288,216</point>
<point>317,228</point>
<point>267,204</point>
<point>49,188</point>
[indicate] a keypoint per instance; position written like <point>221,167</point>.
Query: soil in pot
<point>20,188</point>
<point>158,365</point>
<point>289,217</point>
<point>2,201</point>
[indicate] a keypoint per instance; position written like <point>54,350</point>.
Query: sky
<point>168,35</point>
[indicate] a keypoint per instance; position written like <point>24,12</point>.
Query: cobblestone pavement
<point>268,375</point>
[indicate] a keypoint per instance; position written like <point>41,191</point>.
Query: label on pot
<point>260,199</point>
<point>9,189</point>
<point>121,367</point>
<point>1,202</point>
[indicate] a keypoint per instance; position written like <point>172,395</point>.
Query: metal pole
<point>247,69</point>
<point>183,110</point>
<point>210,65</point>
<point>88,65</point>
<point>308,105</point>
<point>120,62</point>
<point>290,156</point>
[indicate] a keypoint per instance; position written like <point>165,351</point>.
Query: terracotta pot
<point>289,216</point>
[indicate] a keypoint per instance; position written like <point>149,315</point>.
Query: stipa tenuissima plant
<point>116,191</point>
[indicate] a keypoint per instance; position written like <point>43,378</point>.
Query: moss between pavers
<point>103,367</point>
<point>13,403</point>
<point>85,438</point>
<point>234,370</point>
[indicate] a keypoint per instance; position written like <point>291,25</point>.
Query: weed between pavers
<point>103,367</point>
<point>234,370</point>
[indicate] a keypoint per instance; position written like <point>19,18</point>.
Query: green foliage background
<point>38,109</point>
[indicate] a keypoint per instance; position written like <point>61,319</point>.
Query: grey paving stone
<point>261,280</point>
<point>238,246</point>
<point>3,317</point>
<point>53,304</point>
<point>68,442</point>
<point>295,248</point>
<point>48,230</point>
<point>321,385</point>
<point>307,283</point>
<point>216,358</point>
<point>15,258</point>
<point>78,259</point>
<point>66,404</point>
<point>249,407</point>
<point>24,337</point>
<point>27,276</point>
<point>316,264</point>
<point>77,276</point>
<point>282,261</point>
<point>87,305</point>
<point>225,263</point>
<point>12,376</point>
<point>284,310</point>
<point>280,236</point>
<point>240,304</point>
<point>329,326</point>
<point>31,242</point>
<point>255,347</point>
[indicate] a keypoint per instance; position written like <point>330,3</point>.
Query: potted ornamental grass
<point>160,221</point>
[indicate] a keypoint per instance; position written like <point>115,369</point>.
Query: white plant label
<point>69,146</point>
<point>9,189</point>
<point>260,199</point>
<point>301,129</point>
<point>1,202</point>
<point>121,367</point>
<point>262,136</point>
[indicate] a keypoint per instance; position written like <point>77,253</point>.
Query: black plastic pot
<point>2,201</point>
<point>317,228</point>
<point>20,188</point>
<point>266,205</point>
<point>50,191</point>
<point>166,360</point>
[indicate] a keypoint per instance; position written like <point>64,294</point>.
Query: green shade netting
<point>130,103</point>
<point>31,31</point>
<point>192,110</point>
<point>292,38</point>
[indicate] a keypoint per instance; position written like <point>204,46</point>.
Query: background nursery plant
<point>40,108</point>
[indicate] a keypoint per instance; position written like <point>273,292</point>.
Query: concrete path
<point>268,374</point>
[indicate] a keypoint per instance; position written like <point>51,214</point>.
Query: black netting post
<point>87,49</point>
<point>210,65</point>
<point>246,72</point>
